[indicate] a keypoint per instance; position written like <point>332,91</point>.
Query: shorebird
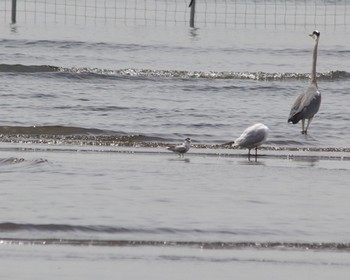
<point>252,137</point>
<point>181,149</point>
<point>307,104</point>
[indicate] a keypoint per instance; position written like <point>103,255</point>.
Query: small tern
<point>181,149</point>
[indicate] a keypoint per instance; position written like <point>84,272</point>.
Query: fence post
<point>14,7</point>
<point>193,7</point>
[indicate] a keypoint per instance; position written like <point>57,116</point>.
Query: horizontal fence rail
<point>226,13</point>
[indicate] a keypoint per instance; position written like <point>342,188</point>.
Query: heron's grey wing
<point>294,115</point>
<point>306,105</point>
<point>311,103</point>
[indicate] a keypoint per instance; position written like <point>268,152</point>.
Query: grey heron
<point>307,104</point>
<point>252,137</point>
<point>181,149</point>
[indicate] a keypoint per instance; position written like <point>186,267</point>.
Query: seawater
<point>92,207</point>
<point>171,84</point>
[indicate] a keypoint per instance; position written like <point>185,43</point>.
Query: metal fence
<point>225,13</point>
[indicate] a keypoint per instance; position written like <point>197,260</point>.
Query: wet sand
<point>137,144</point>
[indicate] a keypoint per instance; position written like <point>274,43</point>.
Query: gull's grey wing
<point>251,137</point>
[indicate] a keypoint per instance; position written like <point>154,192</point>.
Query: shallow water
<point>108,188</point>
<point>88,188</point>
<point>136,211</point>
<point>140,263</point>
<point>230,177</point>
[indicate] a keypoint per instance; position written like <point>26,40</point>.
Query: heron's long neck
<point>314,61</point>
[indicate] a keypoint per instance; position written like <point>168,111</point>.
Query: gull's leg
<point>256,154</point>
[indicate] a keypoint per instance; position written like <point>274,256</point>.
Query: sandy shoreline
<point>198,152</point>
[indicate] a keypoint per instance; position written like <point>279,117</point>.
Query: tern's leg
<point>302,126</point>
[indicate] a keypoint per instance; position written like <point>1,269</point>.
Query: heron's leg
<point>302,126</point>
<point>308,123</point>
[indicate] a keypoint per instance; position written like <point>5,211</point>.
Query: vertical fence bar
<point>193,7</point>
<point>14,8</point>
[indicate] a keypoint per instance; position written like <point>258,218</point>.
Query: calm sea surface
<point>77,201</point>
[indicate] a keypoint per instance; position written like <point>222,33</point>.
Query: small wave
<point>51,130</point>
<point>10,160</point>
<point>328,246</point>
<point>20,68</point>
<point>87,72</point>
<point>72,135</point>
<point>9,227</point>
<point>264,76</point>
<point>14,227</point>
<point>26,163</point>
